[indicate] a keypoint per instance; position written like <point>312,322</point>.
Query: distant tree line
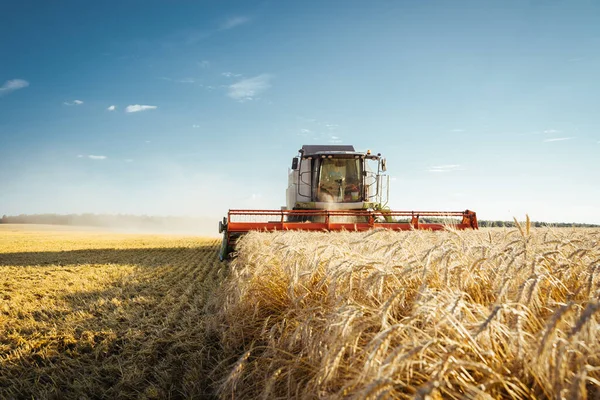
<point>511,224</point>
<point>124,221</point>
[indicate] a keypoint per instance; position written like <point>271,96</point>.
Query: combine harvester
<point>334,188</point>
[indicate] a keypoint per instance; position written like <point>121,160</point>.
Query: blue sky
<point>191,108</point>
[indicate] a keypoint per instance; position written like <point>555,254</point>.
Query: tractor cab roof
<point>327,148</point>
<point>332,150</point>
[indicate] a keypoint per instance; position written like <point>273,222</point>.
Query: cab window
<point>340,180</point>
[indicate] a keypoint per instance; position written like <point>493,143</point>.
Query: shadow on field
<point>143,257</point>
<point>141,337</point>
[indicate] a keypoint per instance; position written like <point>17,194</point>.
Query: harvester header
<point>333,188</point>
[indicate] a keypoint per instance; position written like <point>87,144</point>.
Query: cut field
<point>86,314</point>
<point>494,313</point>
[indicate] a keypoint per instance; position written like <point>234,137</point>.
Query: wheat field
<point>88,314</point>
<point>497,313</point>
<point>494,313</point>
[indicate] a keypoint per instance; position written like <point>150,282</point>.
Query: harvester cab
<point>336,177</point>
<point>332,188</point>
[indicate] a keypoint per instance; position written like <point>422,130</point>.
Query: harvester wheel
<point>299,218</point>
<point>224,251</point>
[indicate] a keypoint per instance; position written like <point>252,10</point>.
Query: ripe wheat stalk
<point>500,313</point>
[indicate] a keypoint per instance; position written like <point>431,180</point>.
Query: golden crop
<point>103,315</point>
<point>496,313</point>
<point>471,314</point>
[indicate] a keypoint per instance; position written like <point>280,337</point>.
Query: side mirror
<point>295,163</point>
<point>383,165</point>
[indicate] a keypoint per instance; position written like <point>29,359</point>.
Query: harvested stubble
<point>485,314</point>
<point>85,314</point>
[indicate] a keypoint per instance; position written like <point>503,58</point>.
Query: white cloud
<point>230,75</point>
<point>444,168</point>
<point>204,64</point>
<point>560,139</point>
<point>92,157</point>
<point>448,166</point>
<point>335,139</point>
<point>112,108</point>
<point>248,89</point>
<point>137,107</point>
<point>12,85</point>
<point>195,126</point>
<point>457,130</point>
<point>550,131</point>
<point>331,126</point>
<point>193,36</point>
<point>128,160</point>
<point>73,103</point>
<point>232,22</point>
<point>305,131</point>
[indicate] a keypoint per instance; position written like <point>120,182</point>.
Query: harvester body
<point>333,188</point>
